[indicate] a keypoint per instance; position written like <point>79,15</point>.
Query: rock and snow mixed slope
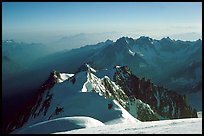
<point>88,96</point>
<point>174,64</point>
<point>72,97</point>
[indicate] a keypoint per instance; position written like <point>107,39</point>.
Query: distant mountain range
<point>174,64</point>
<point>17,56</point>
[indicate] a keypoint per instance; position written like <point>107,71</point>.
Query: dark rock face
<point>30,110</point>
<point>167,104</point>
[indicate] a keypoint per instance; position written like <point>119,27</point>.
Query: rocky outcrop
<point>135,107</point>
<point>167,104</point>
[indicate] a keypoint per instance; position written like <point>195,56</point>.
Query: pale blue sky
<point>21,20</point>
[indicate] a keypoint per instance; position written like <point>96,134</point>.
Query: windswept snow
<point>61,125</point>
<point>177,126</point>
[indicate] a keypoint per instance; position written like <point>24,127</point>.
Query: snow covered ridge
<point>103,95</point>
<point>67,99</point>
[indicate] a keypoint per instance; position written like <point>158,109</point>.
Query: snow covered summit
<point>92,98</point>
<point>68,95</point>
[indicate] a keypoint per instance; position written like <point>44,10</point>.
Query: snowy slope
<point>73,96</point>
<point>60,125</point>
<point>87,96</point>
<point>177,126</point>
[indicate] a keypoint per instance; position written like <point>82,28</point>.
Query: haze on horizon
<point>50,21</point>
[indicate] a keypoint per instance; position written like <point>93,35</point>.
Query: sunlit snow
<point>177,126</point>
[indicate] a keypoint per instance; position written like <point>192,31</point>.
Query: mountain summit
<point>101,96</point>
